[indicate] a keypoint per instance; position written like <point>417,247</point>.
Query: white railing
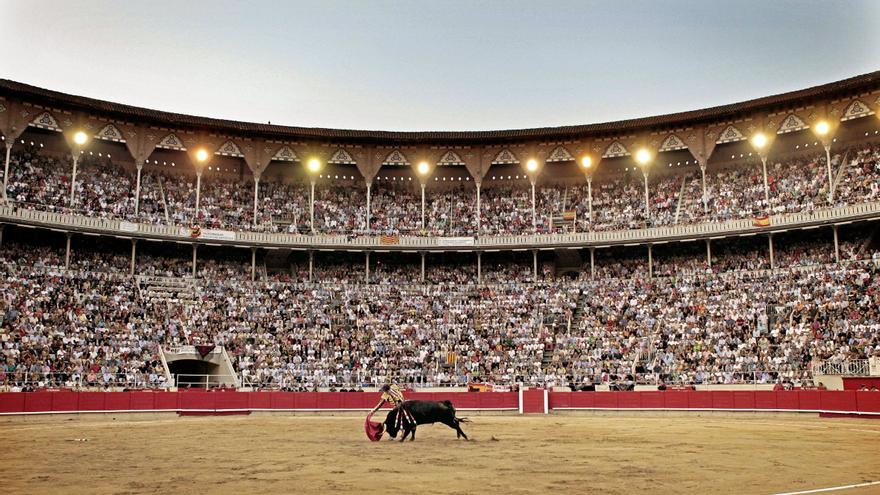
<point>857,367</point>
<point>185,380</point>
<point>652,234</point>
<point>22,381</point>
<point>81,380</point>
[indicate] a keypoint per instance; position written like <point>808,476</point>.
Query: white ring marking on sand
<point>831,489</point>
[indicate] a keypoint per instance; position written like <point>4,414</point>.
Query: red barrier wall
<point>746,400</point>
<point>533,401</point>
<point>198,400</point>
<point>845,401</point>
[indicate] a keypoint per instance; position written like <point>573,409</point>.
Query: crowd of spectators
<point>740,328</point>
<point>861,178</point>
<point>94,326</point>
<point>104,189</point>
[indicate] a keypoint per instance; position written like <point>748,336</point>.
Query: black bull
<point>424,412</point>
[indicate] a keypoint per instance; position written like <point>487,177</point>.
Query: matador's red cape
<point>374,430</point>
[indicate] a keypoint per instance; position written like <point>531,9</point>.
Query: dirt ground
<point>506,455</point>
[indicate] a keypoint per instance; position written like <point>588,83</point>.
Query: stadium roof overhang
<point>35,95</point>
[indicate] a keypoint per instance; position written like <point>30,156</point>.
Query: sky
<point>435,65</point>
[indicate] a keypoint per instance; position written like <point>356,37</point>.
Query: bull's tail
<point>452,408</point>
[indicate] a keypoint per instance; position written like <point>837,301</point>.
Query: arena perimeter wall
<point>530,401</point>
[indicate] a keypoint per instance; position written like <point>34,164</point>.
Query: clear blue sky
<point>435,65</point>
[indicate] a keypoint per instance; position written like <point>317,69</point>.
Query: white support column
<point>9,143</point>
<point>650,261</point>
<point>67,252</point>
<point>770,245</point>
<point>592,263</point>
<point>195,250</point>
<point>647,200</point>
<point>709,253</point>
<point>133,256</point>
<point>369,213</point>
<point>479,267</point>
<point>766,185</point>
<point>311,265</point>
<point>534,215</point>
<point>367,271</point>
<point>705,196</point>
<point>590,200</point>
<point>256,196</point>
<point>830,179</point>
<point>534,265</point>
<point>73,180</point>
<point>253,264</point>
<point>312,207</point>
<point>479,214</point>
<point>836,245</point>
<point>423,267</point>
<point>198,197</point>
<point>137,189</point>
<point>423,206</point>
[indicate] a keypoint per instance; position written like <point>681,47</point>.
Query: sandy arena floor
<point>555,454</point>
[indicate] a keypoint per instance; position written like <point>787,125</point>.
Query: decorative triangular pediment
<point>730,134</point>
<point>110,133</point>
<point>171,142</point>
<point>560,154</point>
<point>342,157</point>
<point>855,110</point>
<point>672,143</point>
<point>615,149</point>
<point>504,156</point>
<point>46,121</point>
<point>792,123</point>
<point>285,154</point>
<point>450,158</point>
<point>229,148</point>
<point>395,158</point>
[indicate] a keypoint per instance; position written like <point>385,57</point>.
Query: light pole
<point>643,158</point>
<point>201,161</point>
<point>314,166</point>
<point>479,211</point>
<point>703,164</point>
<point>139,164</point>
<point>760,143</point>
<point>532,167</point>
<point>423,169</point>
<point>587,165</point>
<point>256,195</point>
<point>369,185</point>
<point>79,141</point>
<point>9,143</point>
<point>823,130</point>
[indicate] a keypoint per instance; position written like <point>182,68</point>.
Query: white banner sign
<point>217,235</point>
<point>455,241</point>
<point>128,227</point>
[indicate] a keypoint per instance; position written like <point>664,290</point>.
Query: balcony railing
<point>857,367</point>
<point>605,238</point>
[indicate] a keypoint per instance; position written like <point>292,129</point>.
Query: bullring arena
<point>686,302</point>
<point>607,454</point>
<point>590,442</point>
